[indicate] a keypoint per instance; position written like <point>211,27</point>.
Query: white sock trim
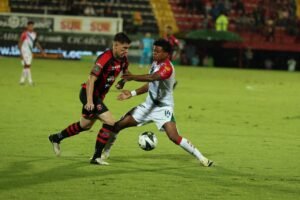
<point>189,147</point>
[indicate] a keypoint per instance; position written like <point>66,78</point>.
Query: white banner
<point>66,24</point>
<point>93,25</point>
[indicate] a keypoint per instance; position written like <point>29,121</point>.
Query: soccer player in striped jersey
<point>173,41</point>
<point>159,104</point>
<point>26,44</point>
<point>174,46</point>
<point>106,69</point>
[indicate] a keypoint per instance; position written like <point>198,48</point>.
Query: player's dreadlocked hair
<point>122,38</point>
<point>166,46</point>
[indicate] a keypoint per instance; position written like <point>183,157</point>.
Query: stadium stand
<point>263,24</point>
<point>125,9</point>
<point>4,6</point>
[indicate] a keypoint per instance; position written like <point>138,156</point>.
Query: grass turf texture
<point>248,122</point>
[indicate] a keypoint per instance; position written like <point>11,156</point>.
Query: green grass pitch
<point>247,121</point>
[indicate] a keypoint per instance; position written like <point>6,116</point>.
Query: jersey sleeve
<point>165,71</point>
<point>23,36</point>
<point>176,41</point>
<point>100,63</point>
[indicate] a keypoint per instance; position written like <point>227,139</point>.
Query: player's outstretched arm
<point>142,78</point>
<point>126,94</point>
<point>122,82</point>
<point>40,48</point>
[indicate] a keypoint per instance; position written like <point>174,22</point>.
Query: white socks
<point>23,76</point>
<point>26,73</point>
<point>187,145</point>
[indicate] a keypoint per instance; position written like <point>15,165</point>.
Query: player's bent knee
<point>86,127</point>
<point>117,127</point>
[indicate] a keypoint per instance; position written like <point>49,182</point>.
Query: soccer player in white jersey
<point>26,44</point>
<point>159,104</point>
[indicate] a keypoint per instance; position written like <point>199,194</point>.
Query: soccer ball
<point>147,141</point>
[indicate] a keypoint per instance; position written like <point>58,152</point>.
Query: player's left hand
<point>43,54</point>
<point>125,94</point>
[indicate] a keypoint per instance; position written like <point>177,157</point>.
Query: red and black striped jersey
<point>174,43</point>
<point>172,40</point>
<point>106,69</point>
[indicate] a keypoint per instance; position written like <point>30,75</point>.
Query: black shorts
<point>100,107</point>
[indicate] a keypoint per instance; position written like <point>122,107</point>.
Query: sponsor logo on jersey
<point>111,78</point>
<point>116,67</point>
<point>96,68</point>
<point>167,68</point>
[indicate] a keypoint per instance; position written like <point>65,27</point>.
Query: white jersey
<point>161,92</point>
<point>159,105</point>
<point>28,39</point>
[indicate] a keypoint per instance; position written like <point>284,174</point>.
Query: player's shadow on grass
<point>151,157</point>
<point>20,174</point>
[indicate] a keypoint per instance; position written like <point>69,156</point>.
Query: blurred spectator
<point>89,11</point>
<point>227,6</point>
<point>240,8</point>
<point>173,41</point>
<point>190,50</point>
<point>195,60</point>
<point>146,45</point>
<point>245,22</point>
<point>207,7</point>
<point>108,11</point>
<point>270,31</point>
<point>137,21</point>
<point>222,22</point>
<point>248,58</point>
<point>291,63</point>
<point>207,22</point>
<point>215,12</point>
<point>268,63</point>
<point>208,61</point>
<point>259,17</point>
<point>183,58</point>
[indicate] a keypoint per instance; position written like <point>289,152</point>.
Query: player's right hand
<point>89,106</point>
<point>125,94</point>
<point>120,84</point>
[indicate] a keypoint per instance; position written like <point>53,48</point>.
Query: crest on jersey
<point>167,68</point>
<point>96,69</point>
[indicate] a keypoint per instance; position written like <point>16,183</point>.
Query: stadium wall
<point>59,34</point>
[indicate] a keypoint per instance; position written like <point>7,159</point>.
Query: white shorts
<point>145,113</point>
<point>27,58</point>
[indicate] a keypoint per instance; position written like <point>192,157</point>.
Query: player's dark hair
<point>164,44</point>
<point>30,23</point>
<point>122,38</point>
<point>169,27</point>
